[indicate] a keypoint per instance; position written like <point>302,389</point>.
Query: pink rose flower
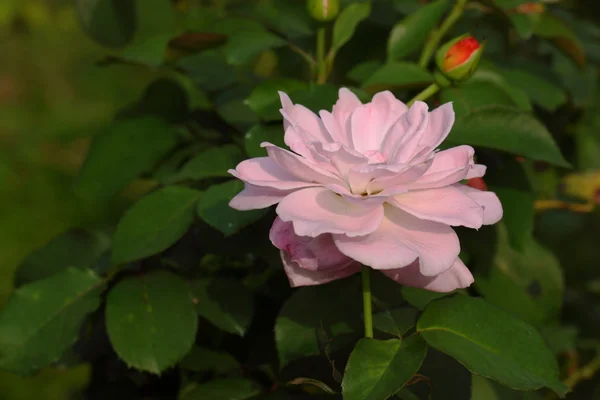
<point>365,184</point>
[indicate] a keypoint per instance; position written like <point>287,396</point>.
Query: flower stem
<point>586,372</point>
<point>425,94</point>
<point>366,292</point>
<point>321,60</point>
<point>437,35</point>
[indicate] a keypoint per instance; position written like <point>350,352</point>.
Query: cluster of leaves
<point>180,295</point>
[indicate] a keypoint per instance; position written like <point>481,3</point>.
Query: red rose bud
<point>323,10</point>
<point>530,8</point>
<point>477,183</point>
<point>458,59</point>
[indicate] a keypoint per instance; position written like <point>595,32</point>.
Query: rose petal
<point>315,211</point>
<point>371,122</point>
<point>316,254</point>
<point>298,115</point>
<point>400,239</point>
<point>492,208</point>
<point>346,104</point>
<point>256,197</point>
<point>456,277</point>
<point>402,140</point>
<point>449,205</point>
<point>303,277</point>
<point>300,167</point>
<point>448,167</point>
<point>264,171</point>
<point>440,123</point>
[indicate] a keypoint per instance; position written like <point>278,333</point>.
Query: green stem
<point>366,292</point>
<point>585,372</point>
<point>437,35</point>
<point>321,60</point>
<point>425,94</point>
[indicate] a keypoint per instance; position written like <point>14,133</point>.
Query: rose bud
<point>477,183</point>
<point>458,59</point>
<point>323,10</point>
<point>530,8</point>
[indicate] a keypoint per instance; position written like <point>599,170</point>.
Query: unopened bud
<point>323,10</point>
<point>458,59</point>
<point>477,183</point>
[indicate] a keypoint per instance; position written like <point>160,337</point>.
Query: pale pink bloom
<point>365,184</point>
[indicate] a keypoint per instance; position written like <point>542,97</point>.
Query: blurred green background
<point>52,97</point>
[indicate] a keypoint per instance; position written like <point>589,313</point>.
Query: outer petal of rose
<point>304,277</point>
<point>440,123</point>
<point>448,205</point>
<point>371,122</point>
<point>400,239</point>
<point>297,114</point>
<point>457,277</point>
<point>256,197</point>
<point>264,171</point>
<point>315,211</point>
<point>403,138</point>
<point>448,167</point>
<point>341,111</point>
<point>317,254</point>
<point>492,208</point>
<point>300,167</point>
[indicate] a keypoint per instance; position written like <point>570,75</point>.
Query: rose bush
<point>366,181</point>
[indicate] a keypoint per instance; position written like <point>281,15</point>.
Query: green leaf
<point>150,320</point>
<point>109,22</point>
<point>156,25</point>
<point>551,27</point>
<point>208,70</point>
<point>231,107</point>
<point>230,389</point>
<point>211,163</point>
<point>312,310</point>
<point>84,249</point>
<point>483,388</point>
<point>397,75</point>
<point>410,34</point>
<point>490,342</point>
<point>377,369</point>
<point>226,303</point>
<point>289,18</point>
<point>120,153</point>
<point>346,23</point>
<point>528,284</point>
<point>42,319</point>
<point>542,92</point>
<point>263,133</point>
<point>361,72</point>
<point>154,223</point>
<point>317,97</point>
<point>242,47</point>
<point>201,359</point>
<point>506,4</point>
<point>395,322</point>
<point>524,23</point>
<point>470,96</point>
<point>264,99</point>
<point>507,129</point>
<point>214,208</point>
<point>418,297</point>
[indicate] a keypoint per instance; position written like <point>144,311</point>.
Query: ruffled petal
<point>400,239</point>
<point>448,205</point>
<point>448,167</point>
<point>264,171</point>
<point>298,115</point>
<point>315,211</point>
<point>492,208</point>
<point>257,197</point>
<point>456,277</point>
<point>299,276</point>
<point>346,104</point>
<point>440,123</point>
<point>371,122</point>
<point>303,169</point>
<point>403,138</point>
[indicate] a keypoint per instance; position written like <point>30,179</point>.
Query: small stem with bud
<point>437,35</point>
<point>321,60</point>
<point>367,309</point>
<point>425,94</point>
